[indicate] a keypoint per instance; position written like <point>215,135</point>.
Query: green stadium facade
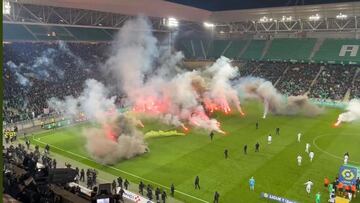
<point>332,51</point>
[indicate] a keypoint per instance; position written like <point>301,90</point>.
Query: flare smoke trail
<point>118,138</point>
<point>352,112</point>
<point>275,102</point>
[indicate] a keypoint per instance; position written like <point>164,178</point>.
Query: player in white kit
<point>346,159</point>
<point>269,139</point>
<point>308,184</point>
<point>299,158</point>
<point>311,156</point>
<point>307,147</point>
<point>299,137</point>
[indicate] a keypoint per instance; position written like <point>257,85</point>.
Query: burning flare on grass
<point>352,113</point>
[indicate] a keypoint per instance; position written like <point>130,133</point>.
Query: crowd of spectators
<point>298,78</point>
<point>333,82</point>
<point>271,71</point>
<point>355,89</point>
<point>22,179</point>
<point>73,63</point>
<point>26,179</point>
<point>47,74</point>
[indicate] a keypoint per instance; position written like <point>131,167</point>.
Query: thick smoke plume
<point>274,101</point>
<point>155,85</point>
<point>117,138</point>
<point>352,112</point>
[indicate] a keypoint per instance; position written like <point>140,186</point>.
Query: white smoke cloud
<point>153,82</point>
<point>274,101</point>
<point>117,138</point>
<point>352,112</point>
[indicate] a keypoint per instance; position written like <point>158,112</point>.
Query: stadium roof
<point>225,5</point>
<point>245,10</point>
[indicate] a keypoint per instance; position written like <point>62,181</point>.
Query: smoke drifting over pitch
<point>352,112</point>
<point>274,101</point>
<point>117,138</point>
<point>154,85</point>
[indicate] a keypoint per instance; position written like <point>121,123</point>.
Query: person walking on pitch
<point>307,147</point>
<point>252,183</point>
<point>257,147</point>
<point>346,158</point>
<point>308,184</point>
<point>197,182</point>
<point>299,137</point>
<point>311,156</point>
<point>216,197</point>
<point>299,158</point>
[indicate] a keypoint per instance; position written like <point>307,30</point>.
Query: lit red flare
<point>109,132</point>
<point>140,123</point>
<point>337,124</point>
<point>185,128</point>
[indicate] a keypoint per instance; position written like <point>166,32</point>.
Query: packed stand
<point>270,70</point>
<point>298,78</point>
<point>355,89</point>
<point>35,72</point>
<point>246,69</point>
<point>333,82</point>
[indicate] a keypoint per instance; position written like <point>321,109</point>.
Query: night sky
<point>222,5</point>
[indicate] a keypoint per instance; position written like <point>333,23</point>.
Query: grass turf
<point>179,159</point>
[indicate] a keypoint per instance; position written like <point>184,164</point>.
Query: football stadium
<point>181,101</point>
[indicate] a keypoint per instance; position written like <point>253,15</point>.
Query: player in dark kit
<point>245,149</point>
<point>197,182</point>
<point>257,125</point>
<point>257,146</point>
<point>216,197</point>
<point>172,190</point>
<point>211,135</point>
<point>226,153</point>
<point>277,131</point>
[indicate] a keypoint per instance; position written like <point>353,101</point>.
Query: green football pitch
<point>178,159</point>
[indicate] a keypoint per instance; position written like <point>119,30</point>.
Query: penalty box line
<point>130,174</point>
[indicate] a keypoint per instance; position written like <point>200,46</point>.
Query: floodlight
<point>286,18</point>
<point>341,16</point>
<point>6,7</point>
<point>265,19</point>
<point>314,17</point>
<point>209,25</point>
<point>172,22</point>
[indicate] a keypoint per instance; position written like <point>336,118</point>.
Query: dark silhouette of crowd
<point>35,72</point>
<point>334,81</point>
